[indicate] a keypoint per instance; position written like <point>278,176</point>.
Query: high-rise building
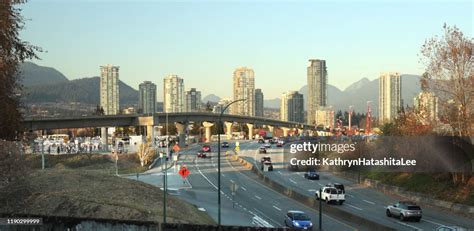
<point>173,94</point>
<point>220,106</point>
<point>244,88</point>
<point>147,101</point>
<point>193,100</point>
<point>109,89</point>
<point>426,105</point>
<point>325,117</point>
<point>390,96</point>
<point>258,102</point>
<point>292,107</point>
<point>317,88</point>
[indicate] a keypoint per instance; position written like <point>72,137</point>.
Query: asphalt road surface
<point>366,202</point>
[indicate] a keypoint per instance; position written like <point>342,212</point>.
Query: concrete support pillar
<point>149,133</point>
<point>270,128</point>
<point>208,126</point>
<point>180,127</point>
<point>104,138</point>
<point>250,126</point>
<point>285,131</point>
<point>228,127</point>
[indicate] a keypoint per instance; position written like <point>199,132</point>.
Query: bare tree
<point>145,153</point>
<point>450,74</point>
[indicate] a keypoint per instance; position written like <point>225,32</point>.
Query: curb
<point>360,222</point>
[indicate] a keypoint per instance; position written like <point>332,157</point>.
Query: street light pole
<point>219,159</point>
<point>165,173</point>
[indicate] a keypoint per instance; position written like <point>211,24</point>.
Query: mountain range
<point>46,84</point>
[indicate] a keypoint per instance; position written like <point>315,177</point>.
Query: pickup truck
<point>331,194</point>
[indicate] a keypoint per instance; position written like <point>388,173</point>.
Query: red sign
<point>184,172</point>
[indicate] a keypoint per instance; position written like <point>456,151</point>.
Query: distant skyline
<point>204,41</point>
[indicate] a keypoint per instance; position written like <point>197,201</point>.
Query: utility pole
<point>165,172</point>
<point>320,210</point>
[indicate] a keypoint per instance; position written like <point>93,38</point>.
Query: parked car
<point>311,175</point>
<point>225,144</point>
<point>298,220</point>
<point>331,194</point>
<point>279,145</point>
<point>201,154</point>
<point>261,141</point>
<point>404,210</point>
<point>206,148</point>
<point>262,150</point>
<point>267,145</point>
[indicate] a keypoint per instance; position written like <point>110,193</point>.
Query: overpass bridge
<point>150,121</point>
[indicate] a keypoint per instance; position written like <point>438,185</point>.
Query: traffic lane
<point>283,204</point>
<point>372,200</point>
<point>204,194</point>
<point>209,172</point>
<point>297,182</point>
<point>267,203</point>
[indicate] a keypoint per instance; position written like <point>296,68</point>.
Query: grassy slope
<point>438,186</point>
<point>77,186</point>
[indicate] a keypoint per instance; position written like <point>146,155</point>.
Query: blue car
<point>298,220</point>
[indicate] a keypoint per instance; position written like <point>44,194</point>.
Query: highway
<point>254,203</point>
<point>366,202</point>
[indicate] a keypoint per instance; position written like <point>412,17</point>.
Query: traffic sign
<point>176,148</point>
<point>184,172</point>
<point>234,187</point>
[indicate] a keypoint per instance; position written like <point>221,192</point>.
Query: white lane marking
<point>321,185</point>
<point>258,197</point>
<point>276,208</point>
<point>207,179</point>
<point>222,174</point>
<point>430,221</point>
<point>217,170</point>
<point>370,202</point>
<point>312,190</point>
<point>243,188</point>
<point>349,195</point>
<point>292,181</point>
<point>355,207</point>
<point>411,226</point>
<point>231,181</point>
<point>263,214</point>
<point>280,173</point>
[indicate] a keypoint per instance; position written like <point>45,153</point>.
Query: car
<point>331,194</point>
<point>339,186</point>
<point>298,220</point>
<point>206,148</point>
<point>261,141</point>
<point>201,154</point>
<point>267,165</point>
<point>225,144</point>
<point>404,210</point>
<point>311,175</point>
<point>279,145</point>
<point>262,150</point>
<point>267,145</point>
<point>265,158</point>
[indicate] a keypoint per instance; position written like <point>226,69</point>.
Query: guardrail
<point>361,222</point>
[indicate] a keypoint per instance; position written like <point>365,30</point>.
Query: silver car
<point>405,211</point>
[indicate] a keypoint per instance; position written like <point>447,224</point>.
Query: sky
<point>204,41</point>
